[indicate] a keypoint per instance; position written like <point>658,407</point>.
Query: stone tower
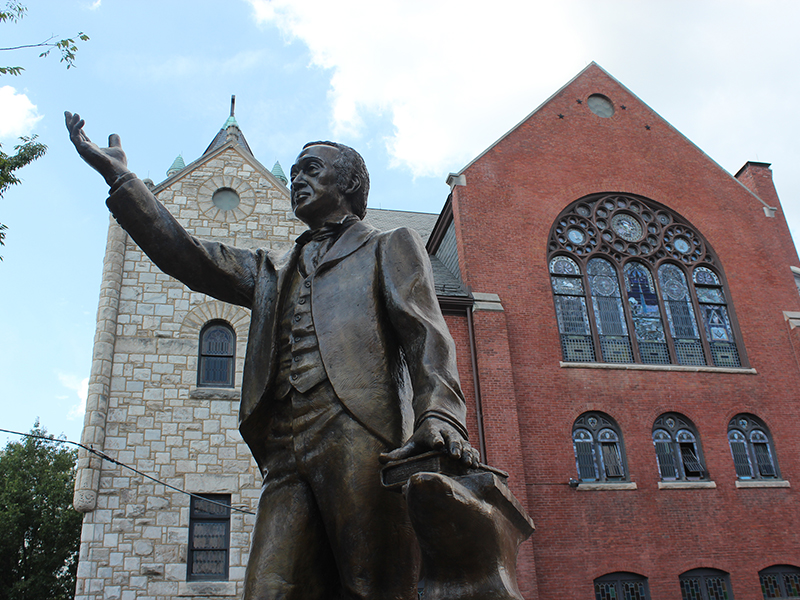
<point>165,404</point>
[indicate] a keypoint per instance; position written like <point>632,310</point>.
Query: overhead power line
<point>106,457</point>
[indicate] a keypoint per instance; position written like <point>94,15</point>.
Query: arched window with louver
<point>751,448</point>
<point>599,453</point>
<point>217,355</point>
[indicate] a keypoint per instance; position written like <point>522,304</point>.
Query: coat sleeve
<point>416,318</point>
<point>224,272</point>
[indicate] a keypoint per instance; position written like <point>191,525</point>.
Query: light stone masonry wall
<point>154,417</point>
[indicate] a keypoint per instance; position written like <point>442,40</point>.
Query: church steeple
<point>230,131</point>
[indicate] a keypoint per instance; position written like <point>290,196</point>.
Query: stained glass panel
<point>710,295</point>
<point>717,589</point>
<point>690,589</point>
<point>715,320</point>
<point>705,276</point>
<point>567,285</point>
<point>769,586</point>
<point>646,314</point>
<point>608,311</point>
<point>605,591</point>
<point>633,590</point>
<point>792,583</point>
<point>562,265</point>
<point>572,316</point>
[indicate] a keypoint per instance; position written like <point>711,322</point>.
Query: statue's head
<point>327,179</point>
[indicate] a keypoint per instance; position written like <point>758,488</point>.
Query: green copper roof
<point>231,121</point>
<point>279,174</point>
<point>177,165</point>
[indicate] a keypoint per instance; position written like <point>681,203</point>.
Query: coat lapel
<point>351,240</point>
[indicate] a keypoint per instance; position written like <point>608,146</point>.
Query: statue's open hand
<point>435,434</point>
<point>110,162</point>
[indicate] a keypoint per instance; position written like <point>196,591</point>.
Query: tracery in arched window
<point>675,308</point>
<point>678,451</point>
<point>751,448</point>
<point>599,454</point>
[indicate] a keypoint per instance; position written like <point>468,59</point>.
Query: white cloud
<point>81,388</point>
<point>95,5</point>
<point>454,75</point>
<point>18,115</point>
<point>441,71</point>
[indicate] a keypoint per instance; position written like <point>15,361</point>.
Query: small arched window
<point>780,581</point>
<point>217,355</point>
<point>751,447</point>
<point>616,586</point>
<point>705,584</point>
<point>599,453</point>
<point>678,450</point>
<point>634,282</point>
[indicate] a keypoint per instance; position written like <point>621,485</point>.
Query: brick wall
<point>515,191</point>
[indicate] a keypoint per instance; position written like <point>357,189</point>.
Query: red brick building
<point>632,341</point>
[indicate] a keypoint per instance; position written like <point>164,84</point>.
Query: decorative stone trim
<point>212,589</point>
<point>214,394</point>
<point>638,367</point>
<point>211,310</point>
<point>247,198</point>
<point>208,483</point>
<point>606,487</point>
<point>486,302</point>
<point>686,485</point>
<point>763,483</point>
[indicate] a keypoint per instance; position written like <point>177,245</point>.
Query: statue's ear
<point>355,184</point>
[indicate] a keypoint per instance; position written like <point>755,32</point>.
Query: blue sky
<point>419,87</point>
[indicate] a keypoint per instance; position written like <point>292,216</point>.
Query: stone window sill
<point>762,483</point>
<point>638,367</point>
<point>686,485</point>
<point>210,393</point>
<point>606,487</point>
<point>213,589</point>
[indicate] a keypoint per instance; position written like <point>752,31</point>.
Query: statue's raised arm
<point>110,162</point>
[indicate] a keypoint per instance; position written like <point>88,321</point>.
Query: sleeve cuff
<point>120,181</point>
<point>435,414</point>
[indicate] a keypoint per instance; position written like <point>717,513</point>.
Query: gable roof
<point>594,69</point>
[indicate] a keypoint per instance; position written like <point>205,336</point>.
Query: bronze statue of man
<point>349,362</point>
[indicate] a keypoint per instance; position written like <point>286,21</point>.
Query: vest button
<point>301,301</point>
<point>307,284</point>
<point>297,317</point>
<point>294,375</point>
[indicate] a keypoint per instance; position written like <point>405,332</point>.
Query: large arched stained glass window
<point>635,283</point>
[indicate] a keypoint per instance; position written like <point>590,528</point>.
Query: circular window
<point>600,105</point>
<point>626,227</point>
<point>225,199</point>
<point>576,236</point>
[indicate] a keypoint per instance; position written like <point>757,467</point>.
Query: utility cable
<point>104,456</point>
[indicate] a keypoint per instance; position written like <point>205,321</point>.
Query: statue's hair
<point>348,164</point>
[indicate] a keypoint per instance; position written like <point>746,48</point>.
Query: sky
<point>419,87</point>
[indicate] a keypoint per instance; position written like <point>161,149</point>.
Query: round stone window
<point>225,199</point>
<point>600,105</point>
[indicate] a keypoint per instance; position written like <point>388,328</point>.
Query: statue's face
<point>316,197</point>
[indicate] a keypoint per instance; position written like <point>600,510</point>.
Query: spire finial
<point>233,103</point>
